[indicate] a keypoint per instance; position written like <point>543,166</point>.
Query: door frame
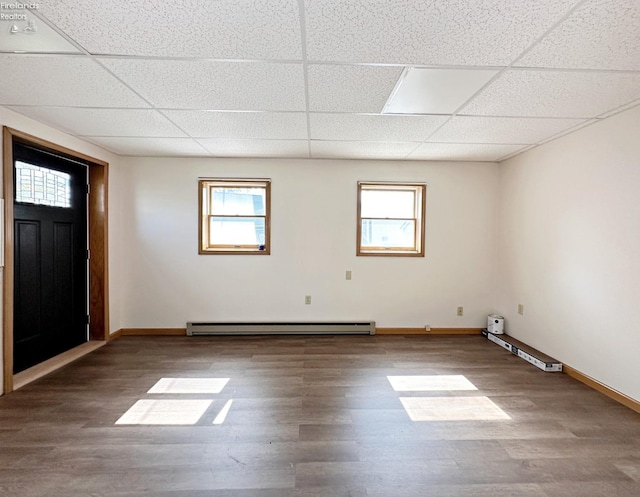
<point>97,210</point>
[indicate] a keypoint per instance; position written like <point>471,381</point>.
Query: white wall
<point>24,124</point>
<point>563,220</point>
<point>313,243</point>
<point>570,250</point>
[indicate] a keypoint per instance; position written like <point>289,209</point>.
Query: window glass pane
<point>388,233</point>
<point>42,186</point>
<point>237,231</point>
<point>238,201</point>
<point>381,203</point>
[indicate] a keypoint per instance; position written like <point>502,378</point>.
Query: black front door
<point>50,243</point>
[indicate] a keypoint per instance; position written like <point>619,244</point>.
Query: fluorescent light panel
<point>435,91</point>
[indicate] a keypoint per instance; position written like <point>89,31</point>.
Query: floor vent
<point>281,328</point>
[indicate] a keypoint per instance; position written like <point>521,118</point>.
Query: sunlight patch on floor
<point>189,385</point>
<point>165,412</point>
<point>430,383</point>
<point>222,415</point>
<point>452,409</point>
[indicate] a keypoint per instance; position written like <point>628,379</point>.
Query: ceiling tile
<point>210,85</point>
<point>555,94</point>
<point>463,151</point>
<point>222,29</point>
<point>152,147</point>
<point>360,150</point>
<point>72,81</point>
<point>482,32</point>
<point>468,129</point>
<point>154,87</point>
<point>362,127</point>
<point>104,122</point>
<point>351,88</point>
<point>257,148</point>
<point>241,125</point>
<point>601,34</point>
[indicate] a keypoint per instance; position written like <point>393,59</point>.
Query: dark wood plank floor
<point>311,417</point>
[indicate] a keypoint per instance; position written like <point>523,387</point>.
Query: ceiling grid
<point>313,78</point>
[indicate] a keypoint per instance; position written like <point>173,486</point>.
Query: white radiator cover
<point>201,328</point>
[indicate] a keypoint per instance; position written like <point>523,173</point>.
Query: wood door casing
<point>50,256</point>
<point>98,243</point>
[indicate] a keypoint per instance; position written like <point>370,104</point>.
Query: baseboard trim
<point>114,335</point>
<point>432,331</point>
<point>602,388</point>
<point>153,332</point>
<point>379,331</point>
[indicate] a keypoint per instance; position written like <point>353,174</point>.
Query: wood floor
<point>313,417</point>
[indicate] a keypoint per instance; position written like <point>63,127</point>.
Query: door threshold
<point>50,365</point>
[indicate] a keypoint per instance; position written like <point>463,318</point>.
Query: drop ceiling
<point>314,79</point>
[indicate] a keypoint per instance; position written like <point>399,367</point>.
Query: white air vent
<point>281,328</point>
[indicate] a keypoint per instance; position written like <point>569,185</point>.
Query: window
<point>234,216</point>
<point>391,219</point>
<point>42,186</point>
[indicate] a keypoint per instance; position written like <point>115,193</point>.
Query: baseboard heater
<point>281,328</point>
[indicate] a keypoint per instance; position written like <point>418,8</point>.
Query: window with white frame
<point>391,219</point>
<point>234,216</point>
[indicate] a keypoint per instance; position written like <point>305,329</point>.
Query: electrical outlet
<point>427,327</point>
<point>348,275</point>
<point>307,299</point>
<point>460,311</point>
<point>521,309</point>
